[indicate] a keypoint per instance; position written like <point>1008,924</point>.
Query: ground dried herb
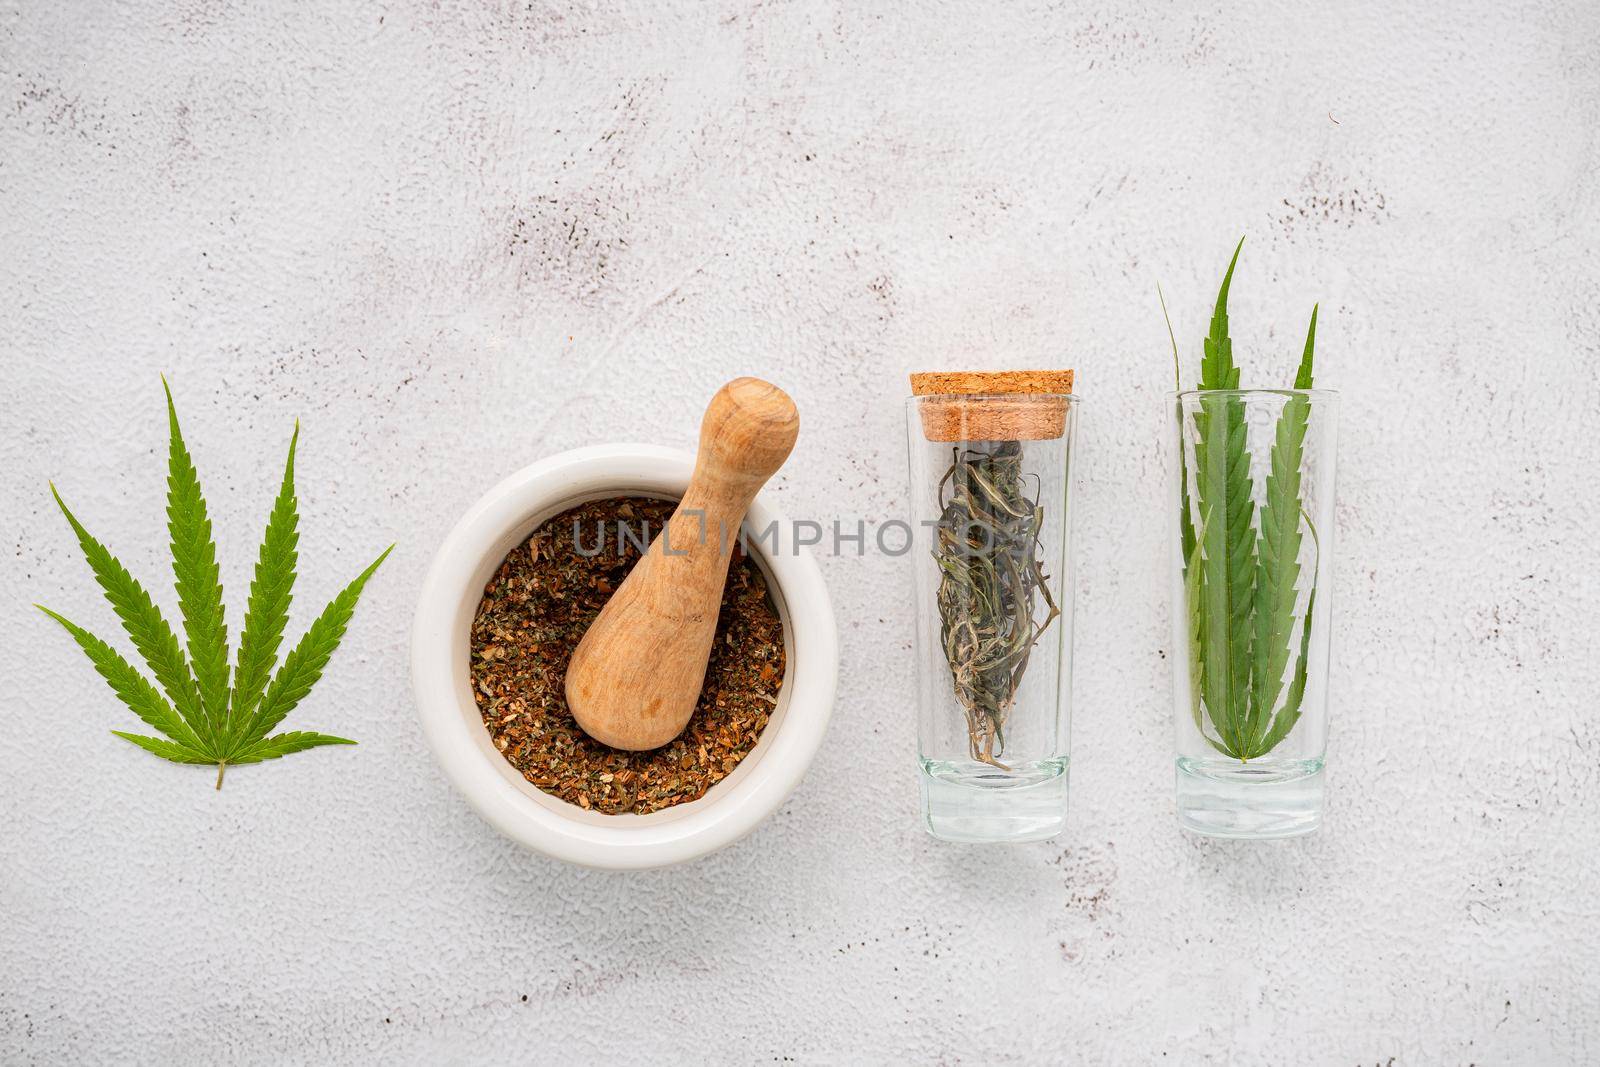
<point>534,612</point>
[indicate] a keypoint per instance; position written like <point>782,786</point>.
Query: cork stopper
<point>1013,405</point>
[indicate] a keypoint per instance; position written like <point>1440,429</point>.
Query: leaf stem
<point>221,766</point>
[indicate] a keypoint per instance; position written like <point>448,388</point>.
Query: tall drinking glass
<point>1252,592</point>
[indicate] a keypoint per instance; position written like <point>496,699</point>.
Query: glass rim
<point>1070,398</point>
<point>1310,394</point>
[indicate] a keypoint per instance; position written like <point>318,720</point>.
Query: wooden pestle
<point>636,676</point>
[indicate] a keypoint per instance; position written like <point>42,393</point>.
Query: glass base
<point>974,802</point>
<point>1222,797</point>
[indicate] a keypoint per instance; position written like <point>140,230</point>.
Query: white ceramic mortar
<point>440,675</point>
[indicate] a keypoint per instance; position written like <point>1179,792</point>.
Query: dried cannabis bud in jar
<point>993,586</point>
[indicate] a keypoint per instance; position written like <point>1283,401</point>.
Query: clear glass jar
<point>1252,594</point>
<point>991,554</point>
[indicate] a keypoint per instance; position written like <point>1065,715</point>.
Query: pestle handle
<point>748,430</point>
<point>636,676</point>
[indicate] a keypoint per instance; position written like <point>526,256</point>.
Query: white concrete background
<point>452,237</point>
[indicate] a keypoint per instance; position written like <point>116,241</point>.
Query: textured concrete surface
<point>453,236</point>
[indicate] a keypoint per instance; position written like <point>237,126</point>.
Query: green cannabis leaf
<point>201,718</point>
<point>1242,570</point>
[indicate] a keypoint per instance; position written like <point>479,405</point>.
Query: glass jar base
<point>973,802</point>
<point>1272,798</point>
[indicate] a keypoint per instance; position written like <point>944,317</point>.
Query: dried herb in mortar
<point>535,611</point>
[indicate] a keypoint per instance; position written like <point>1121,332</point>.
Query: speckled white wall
<point>452,237</point>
